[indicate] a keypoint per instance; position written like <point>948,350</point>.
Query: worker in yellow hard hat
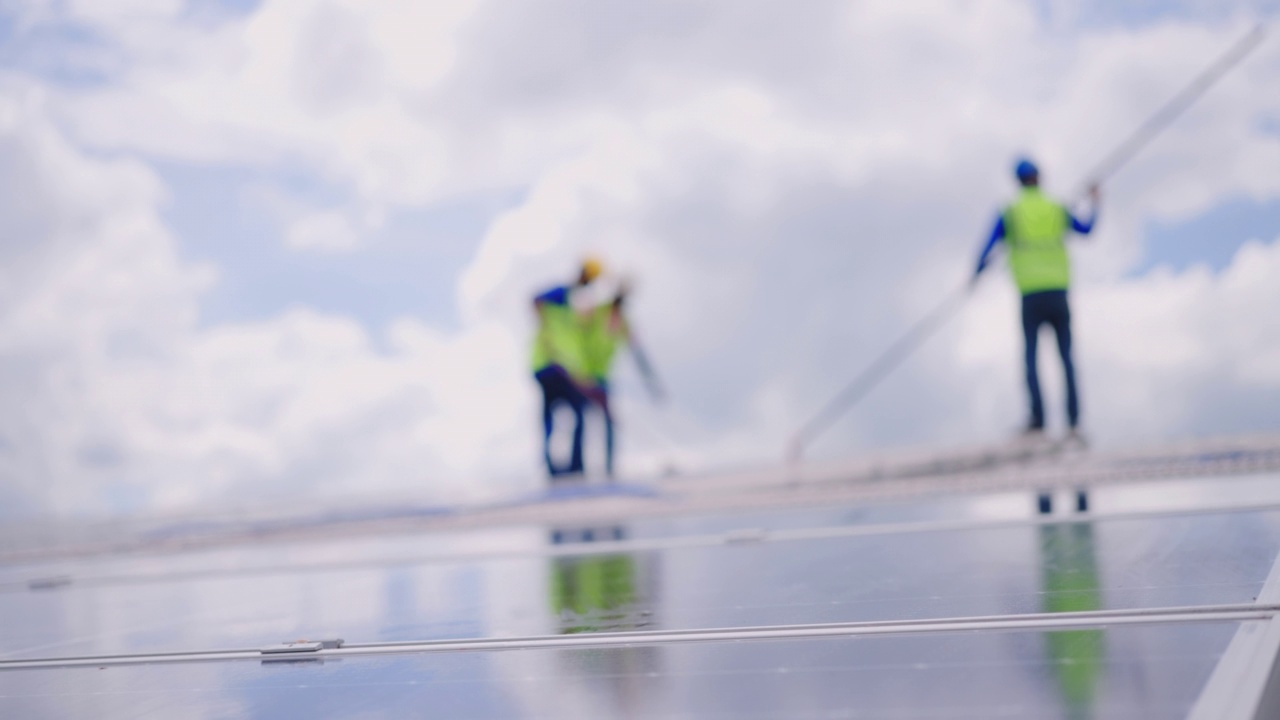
<point>592,268</point>
<point>560,363</point>
<point>606,330</point>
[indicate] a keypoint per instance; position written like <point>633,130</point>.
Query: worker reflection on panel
<point>1071,584</point>
<point>606,593</point>
<point>605,332</point>
<point>1035,228</point>
<point>559,362</point>
<point>593,593</point>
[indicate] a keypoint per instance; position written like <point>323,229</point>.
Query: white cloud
<point>328,230</point>
<point>118,400</point>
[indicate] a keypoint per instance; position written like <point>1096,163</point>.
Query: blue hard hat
<point>1025,169</point>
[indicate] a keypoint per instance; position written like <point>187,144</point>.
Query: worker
<point>559,362</point>
<point>607,329</point>
<point>1035,228</point>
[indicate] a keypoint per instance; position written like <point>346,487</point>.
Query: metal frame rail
<point>304,650</point>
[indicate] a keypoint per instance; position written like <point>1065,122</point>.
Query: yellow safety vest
<point>1035,228</point>
<point>559,340</point>
<point>603,335</point>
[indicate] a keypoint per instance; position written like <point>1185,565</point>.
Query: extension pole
<point>1108,166</point>
<point>885,364</point>
<point>1178,104</point>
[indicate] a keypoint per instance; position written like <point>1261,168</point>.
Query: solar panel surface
<point>945,559</point>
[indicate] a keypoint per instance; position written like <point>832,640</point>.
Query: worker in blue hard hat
<point>1034,228</point>
<point>560,362</point>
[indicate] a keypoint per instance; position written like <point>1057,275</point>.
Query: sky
<point>256,253</point>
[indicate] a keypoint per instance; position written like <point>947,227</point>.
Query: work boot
<point>1031,440</point>
<point>1077,439</point>
<point>1033,431</point>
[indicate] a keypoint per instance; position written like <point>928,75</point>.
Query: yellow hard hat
<point>592,268</point>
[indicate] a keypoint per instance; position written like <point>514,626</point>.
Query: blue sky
<point>1210,238</point>
<point>407,267</point>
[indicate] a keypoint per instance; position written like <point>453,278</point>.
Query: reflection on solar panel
<point>824,600</point>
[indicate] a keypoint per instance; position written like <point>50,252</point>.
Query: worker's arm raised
<point>1085,227</point>
<point>997,234</point>
<point>554,296</point>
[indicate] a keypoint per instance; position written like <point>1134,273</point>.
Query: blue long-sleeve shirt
<point>558,295</point>
<point>998,234</point>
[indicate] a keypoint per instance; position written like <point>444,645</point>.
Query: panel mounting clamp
<point>302,646</point>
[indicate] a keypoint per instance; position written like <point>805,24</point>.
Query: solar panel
<point>927,608</point>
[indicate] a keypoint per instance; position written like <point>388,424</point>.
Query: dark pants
<point>600,396</point>
<point>1040,308</point>
<point>558,388</point>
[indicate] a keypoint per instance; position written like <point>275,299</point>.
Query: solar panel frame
<point>1245,684</point>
